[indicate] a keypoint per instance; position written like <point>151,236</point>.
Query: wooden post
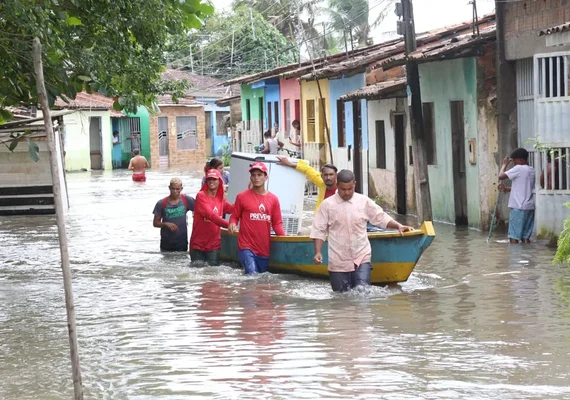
<point>60,216</point>
<point>421,176</point>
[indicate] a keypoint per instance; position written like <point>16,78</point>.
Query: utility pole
<point>421,177</point>
<point>60,218</point>
<point>191,60</point>
<point>232,56</point>
<point>252,28</point>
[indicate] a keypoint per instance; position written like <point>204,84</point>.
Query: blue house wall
<point>271,95</point>
<point>337,88</point>
<point>217,140</point>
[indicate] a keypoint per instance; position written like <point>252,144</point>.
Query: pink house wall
<point>289,89</point>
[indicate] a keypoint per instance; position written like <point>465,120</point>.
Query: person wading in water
<point>138,165</point>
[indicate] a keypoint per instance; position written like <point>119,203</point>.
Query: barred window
<point>186,138</point>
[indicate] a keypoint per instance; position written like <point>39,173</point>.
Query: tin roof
<point>86,101</point>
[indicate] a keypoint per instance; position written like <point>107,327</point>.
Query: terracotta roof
<point>224,101</point>
<point>459,44</point>
<point>199,84</point>
<point>394,51</point>
<point>166,100</point>
<point>555,29</point>
<point>376,91</point>
<point>298,69</point>
<point>86,101</point>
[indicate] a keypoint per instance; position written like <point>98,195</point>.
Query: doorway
<point>357,152</point>
<point>400,144</point>
<point>163,142</point>
<point>458,154</point>
<point>261,106</point>
<point>95,143</point>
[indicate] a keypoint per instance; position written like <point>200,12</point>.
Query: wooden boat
<point>393,256</point>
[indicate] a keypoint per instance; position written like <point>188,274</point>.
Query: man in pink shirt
<point>257,211</point>
<point>343,218</point>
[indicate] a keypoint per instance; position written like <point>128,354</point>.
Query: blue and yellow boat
<point>394,257</point>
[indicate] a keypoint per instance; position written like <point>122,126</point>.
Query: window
<point>186,133</point>
<point>429,133</point>
<point>380,145</point>
<point>311,121</point>
<point>298,110</point>
<point>287,110</point>
<point>340,122</point>
<point>269,116</point>
<point>552,76</point>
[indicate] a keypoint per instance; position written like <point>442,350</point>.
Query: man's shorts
<point>521,224</point>
<point>344,281</point>
<point>252,263</point>
<point>141,177</point>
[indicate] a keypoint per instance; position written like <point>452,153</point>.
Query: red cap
<point>213,173</point>
<point>259,166</point>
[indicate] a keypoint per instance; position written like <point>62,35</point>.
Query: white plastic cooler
<point>286,183</point>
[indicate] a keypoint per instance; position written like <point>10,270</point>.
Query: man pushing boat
<point>257,211</point>
<point>343,218</point>
<point>325,181</point>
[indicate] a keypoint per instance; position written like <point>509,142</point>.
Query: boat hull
<point>394,257</point>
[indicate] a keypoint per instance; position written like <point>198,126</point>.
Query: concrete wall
<point>525,19</point>
<point>337,88</point>
<point>18,169</point>
<point>179,158</point>
<point>441,83</point>
<point>77,148</point>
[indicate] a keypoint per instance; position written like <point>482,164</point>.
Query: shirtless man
<point>138,164</point>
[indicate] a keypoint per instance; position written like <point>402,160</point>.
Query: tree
<point>231,43</point>
<point>114,47</point>
<point>353,17</point>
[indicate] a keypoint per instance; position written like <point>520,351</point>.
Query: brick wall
<point>529,17</point>
<point>179,158</point>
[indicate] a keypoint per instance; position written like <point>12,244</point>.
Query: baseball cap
<point>213,173</point>
<point>259,166</point>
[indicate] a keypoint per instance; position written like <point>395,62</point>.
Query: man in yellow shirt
<point>325,181</point>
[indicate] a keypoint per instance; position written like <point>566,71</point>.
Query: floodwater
<point>475,320</point>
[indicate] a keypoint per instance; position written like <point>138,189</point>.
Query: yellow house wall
<point>310,91</point>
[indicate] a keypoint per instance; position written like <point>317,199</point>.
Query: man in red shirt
<point>209,209</point>
<point>257,211</point>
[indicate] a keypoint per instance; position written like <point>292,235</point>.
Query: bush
<point>563,248</point>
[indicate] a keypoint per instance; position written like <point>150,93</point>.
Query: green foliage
<point>226,154</point>
<point>380,200</point>
<point>113,47</point>
<point>563,248</point>
<point>209,50</point>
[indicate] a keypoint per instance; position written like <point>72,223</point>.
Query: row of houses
<point>488,86</point>
<point>354,111</point>
<point>180,134</point>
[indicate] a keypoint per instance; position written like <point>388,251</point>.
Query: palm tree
<point>353,17</point>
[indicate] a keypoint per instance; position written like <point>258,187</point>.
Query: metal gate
<point>163,142</point>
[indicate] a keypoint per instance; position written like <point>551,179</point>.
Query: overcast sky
<point>429,14</point>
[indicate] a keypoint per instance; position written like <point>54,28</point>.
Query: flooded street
<point>475,320</point>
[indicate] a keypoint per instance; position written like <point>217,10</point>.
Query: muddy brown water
<point>475,320</point>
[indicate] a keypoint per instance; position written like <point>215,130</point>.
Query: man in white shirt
<point>521,200</point>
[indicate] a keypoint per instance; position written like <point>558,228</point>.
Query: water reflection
<point>475,320</point>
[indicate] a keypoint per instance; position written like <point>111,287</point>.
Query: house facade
<point>207,90</point>
<point>534,54</point>
<point>180,133</point>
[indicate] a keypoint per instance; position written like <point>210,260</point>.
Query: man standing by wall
<point>257,211</point>
<point>343,219</point>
